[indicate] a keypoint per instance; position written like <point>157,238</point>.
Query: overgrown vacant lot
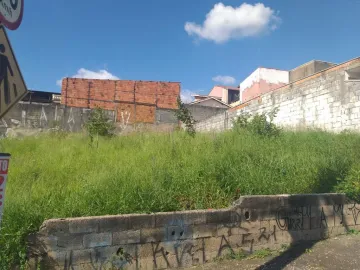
<point>59,175</point>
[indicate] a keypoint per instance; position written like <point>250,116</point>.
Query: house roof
<point>196,95</point>
<point>312,61</point>
<point>206,97</point>
<point>44,92</point>
<point>214,98</point>
<point>229,87</point>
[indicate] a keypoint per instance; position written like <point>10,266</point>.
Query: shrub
<point>351,184</point>
<point>242,122</point>
<point>184,115</point>
<point>260,124</point>
<point>99,124</point>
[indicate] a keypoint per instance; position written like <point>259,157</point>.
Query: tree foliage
<point>183,114</point>
<point>99,124</point>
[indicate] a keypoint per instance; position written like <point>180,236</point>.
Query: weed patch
<point>60,175</point>
<point>263,253</point>
<point>353,232</point>
<point>231,255</point>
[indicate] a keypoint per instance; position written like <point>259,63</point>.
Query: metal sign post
<point>4,166</point>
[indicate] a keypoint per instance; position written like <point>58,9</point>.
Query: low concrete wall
<point>183,239</point>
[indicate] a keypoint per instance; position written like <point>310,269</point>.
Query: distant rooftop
<point>313,61</point>
<point>229,87</point>
<point>45,92</point>
<point>209,98</point>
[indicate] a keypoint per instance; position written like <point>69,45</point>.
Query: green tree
<point>184,115</point>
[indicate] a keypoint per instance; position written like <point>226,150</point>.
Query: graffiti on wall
<point>39,116</point>
<point>71,120</point>
<point>264,232</point>
<point>125,116</point>
<point>100,261</point>
<point>355,210</point>
<point>43,117</point>
<point>184,245</point>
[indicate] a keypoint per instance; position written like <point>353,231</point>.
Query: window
<point>352,74</point>
<point>234,96</point>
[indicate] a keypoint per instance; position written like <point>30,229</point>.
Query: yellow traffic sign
<point>12,84</point>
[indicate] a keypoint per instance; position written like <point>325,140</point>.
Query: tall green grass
<point>53,176</point>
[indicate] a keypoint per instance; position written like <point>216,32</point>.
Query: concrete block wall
<point>184,239</point>
<point>325,100</point>
<point>38,116</point>
<point>201,113</point>
<point>218,122</point>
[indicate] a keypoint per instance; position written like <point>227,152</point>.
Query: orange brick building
<point>138,99</point>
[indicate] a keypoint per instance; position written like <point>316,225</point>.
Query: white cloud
<point>186,96</point>
<point>226,80</point>
<point>101,74</point>
<point>89,74</point>
<point>223,23</point>
<point>59,82</point>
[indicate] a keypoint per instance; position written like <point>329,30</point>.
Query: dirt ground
<point>338,253</point>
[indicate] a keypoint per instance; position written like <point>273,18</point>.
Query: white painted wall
<point>274,76</point>
<point>249,81</point>
<point>269,75</point>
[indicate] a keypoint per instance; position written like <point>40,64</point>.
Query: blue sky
<point>199,43</point>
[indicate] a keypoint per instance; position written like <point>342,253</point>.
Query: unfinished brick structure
<point>136,101</point>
